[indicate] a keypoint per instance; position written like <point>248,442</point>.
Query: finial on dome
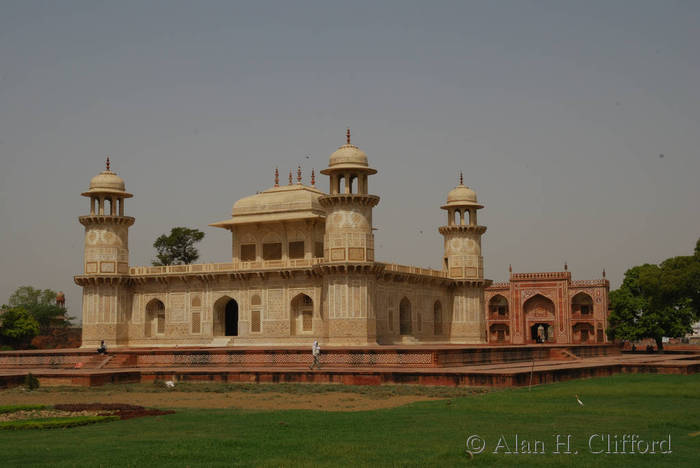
<point>603,272</point>
<point>461,178</point>
<point>566,266</point>
<point>510,268</point>
<point>313,178</point>
<point>277,177</point>
<point>347,135</point>
<point>107,164</point>
<point>290,177</point>
<point>298,174</point>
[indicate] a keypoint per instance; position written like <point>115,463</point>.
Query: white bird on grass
<point>579,400</point>
<point>170,384</point>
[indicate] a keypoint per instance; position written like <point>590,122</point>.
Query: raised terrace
<point>427,365</point>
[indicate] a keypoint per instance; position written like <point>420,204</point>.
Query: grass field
<point>431,433</point>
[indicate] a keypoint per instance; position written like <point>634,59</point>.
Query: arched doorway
<point>231,318</point>
<point>541,332</point>
<point>302,314</point>
<point>539,319</point>
<point>155,318</point>
<point>405,325</point>
<point>226,317</point>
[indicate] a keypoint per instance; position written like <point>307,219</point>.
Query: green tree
<point>656,301</point>
<point>41,304</point>
<point>177,248</point>
<point>18,327</point>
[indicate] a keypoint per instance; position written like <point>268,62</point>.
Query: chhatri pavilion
<point>303,268</point>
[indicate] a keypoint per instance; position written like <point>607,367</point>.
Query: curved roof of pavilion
<point>283,203</point>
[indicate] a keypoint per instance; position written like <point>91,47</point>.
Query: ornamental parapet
<point>500,285</point>
<point>588,283</point>
<point>552,275</point>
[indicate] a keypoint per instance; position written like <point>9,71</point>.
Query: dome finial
<point>347,135</point>
<point>461,178</point>
<point>277,177</point>
<point>566,266</point>
<point>603,272</point>
<point>510,268</point>
<point>290,177</point>
<point>298,174</point>
<point>313,178</point>
<point>107,163</point>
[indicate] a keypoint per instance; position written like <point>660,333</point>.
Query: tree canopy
<point>656,301</point>
<point>18,327</point>
<point>41,304</point>
<point>178,247</point>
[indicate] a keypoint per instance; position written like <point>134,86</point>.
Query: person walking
<point>316,352</point>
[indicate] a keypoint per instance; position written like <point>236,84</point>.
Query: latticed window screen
<point>196,322</point>
<point>255,321</point>
<point>318,249</point>
<point>296,249</point>
<point>160,324</point>
<point>248,252</point>
<point>307,323</point>
<point>272,251</point>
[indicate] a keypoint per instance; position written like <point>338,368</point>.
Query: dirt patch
<point>335,401</point>
<point>112,409</point>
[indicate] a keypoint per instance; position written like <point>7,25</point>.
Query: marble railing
<point>224,267</point>
<point>413,270</point>
<point>269,265</point>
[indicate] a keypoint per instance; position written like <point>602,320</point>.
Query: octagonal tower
<point>463,262</point>
<point>106,298</point>
<point>349,249</point>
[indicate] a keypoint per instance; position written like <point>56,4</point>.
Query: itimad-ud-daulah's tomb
<point>303,268</point>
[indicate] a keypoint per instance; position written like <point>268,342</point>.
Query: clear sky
<point>557,112</point>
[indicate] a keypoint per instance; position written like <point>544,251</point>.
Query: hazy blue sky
<point>557,112</point>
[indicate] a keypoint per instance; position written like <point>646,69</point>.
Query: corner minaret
<point>106,298</point>
<point>463,263</point>
<point>106,227</point>
<point>349,236</point>
<point>462,258</point>
<point>348,248</point>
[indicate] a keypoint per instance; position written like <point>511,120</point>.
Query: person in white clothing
<point>316,352</point>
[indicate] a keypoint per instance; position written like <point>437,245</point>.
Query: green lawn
<point>429,433</point>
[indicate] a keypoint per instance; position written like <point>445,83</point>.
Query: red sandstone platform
<point>425,365</point>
